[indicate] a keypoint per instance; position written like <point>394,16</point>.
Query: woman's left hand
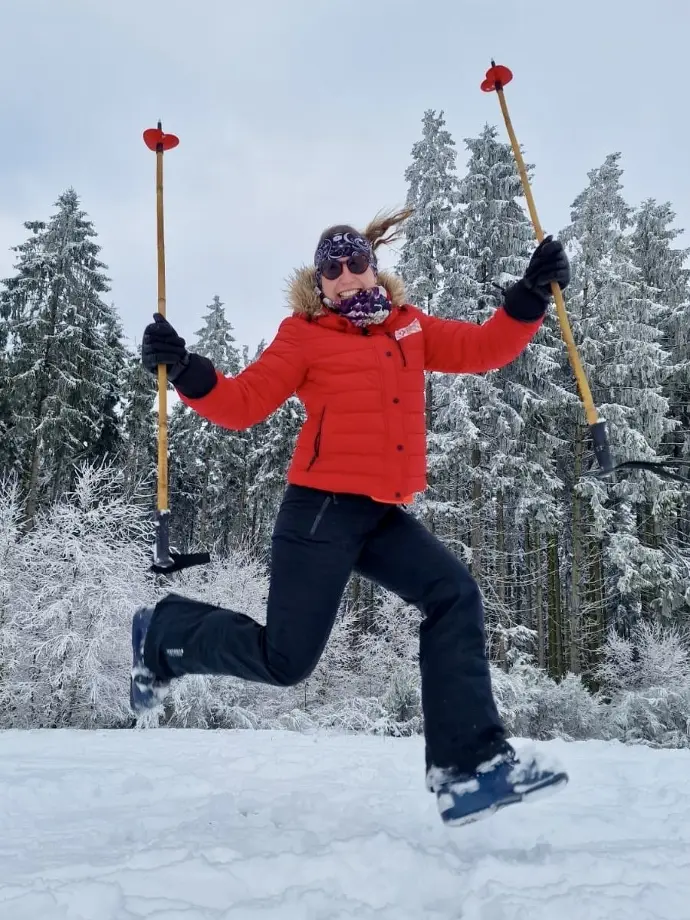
<point>548,263</point>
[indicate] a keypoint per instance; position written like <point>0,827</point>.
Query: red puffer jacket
<point>363,390</point>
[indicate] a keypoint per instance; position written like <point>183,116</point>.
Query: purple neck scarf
<point>365,308</point>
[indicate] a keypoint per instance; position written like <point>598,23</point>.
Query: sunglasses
<point>332,268</point>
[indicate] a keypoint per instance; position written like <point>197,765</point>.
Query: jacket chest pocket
<point>410,350</point>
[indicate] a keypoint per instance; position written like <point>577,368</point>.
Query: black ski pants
<point>318,540</point>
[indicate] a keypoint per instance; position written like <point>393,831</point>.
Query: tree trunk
<point>429,386</point>
<point>598,598</point>
<point>529,614</point>
<point>577,537</point>
<point>539,601</point>
<point>356,600</point>
<point>42,390</point>
<point>476,541</point>
<point>457,498</point>
<point>203,509</point>
<point>555,609</point>
<point>501,578</point>
<point>31,506</point>
<point>241,513</point>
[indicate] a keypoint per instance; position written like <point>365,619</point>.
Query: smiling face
<point>347,284</point>
<point>345,263</point>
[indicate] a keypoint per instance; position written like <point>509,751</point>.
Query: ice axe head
<point>167,560</point>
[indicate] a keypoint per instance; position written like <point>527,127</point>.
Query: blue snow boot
<point>467,797</point>
<point>146,691</point>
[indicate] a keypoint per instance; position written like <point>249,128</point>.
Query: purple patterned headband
<point>343,245</point>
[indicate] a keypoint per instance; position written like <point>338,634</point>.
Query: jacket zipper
<point>317,441</point>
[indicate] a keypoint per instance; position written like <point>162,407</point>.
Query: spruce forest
<point>586,581</point>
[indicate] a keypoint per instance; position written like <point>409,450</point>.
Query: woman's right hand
<point>162,345</point>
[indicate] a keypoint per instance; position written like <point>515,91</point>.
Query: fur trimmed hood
<point>304,300</point>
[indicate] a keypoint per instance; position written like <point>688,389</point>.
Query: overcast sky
<point>295,114</point>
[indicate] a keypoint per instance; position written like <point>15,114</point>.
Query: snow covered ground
<point>191,825</point>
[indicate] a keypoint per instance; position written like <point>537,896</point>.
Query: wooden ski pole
<point>156,140</point>
<point>165,561</point>
<point>496,78</point>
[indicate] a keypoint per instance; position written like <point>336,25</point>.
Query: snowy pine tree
<point>65,635</point>
<point>432,191</point>
<point>8,448</point>
<point>109,442</point>
<point>64,354</point>
<point>664,294</point>
<point>666,282</point>
<point>206,458</point>
<point>215,339</point>
<point>272,458</point>
<point>139,449</point>
<point>618,328</point>
<point>496,428</point>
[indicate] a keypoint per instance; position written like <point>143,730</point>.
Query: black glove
<point>528,299</point>
<point>193,375</point>
<point>162,345</point>
<point>548,263</point>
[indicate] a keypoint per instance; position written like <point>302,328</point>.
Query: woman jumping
<point>355,353</point>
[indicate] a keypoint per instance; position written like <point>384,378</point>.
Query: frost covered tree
<point>8,449</point>
<point>496,428</point>
<point>431,194</point>
<point>109,442</point>
<point>663,294</point>
<point>237,581</point>
<point>64,352</point>
<point>216,341</point>
<point>647,679</point>
<point>272,458</point>
<point>74,581</point>
<point>205,458</point>
<point>13,589</point>
<point>618,325</point>
<point>492,240</point>
<point>432,186</point>
<point>139,449</point>
<point>490,235</point>
<point>246,506</point>
<point>665,279</point>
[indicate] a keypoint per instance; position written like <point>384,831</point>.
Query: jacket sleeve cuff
<point>197,379</point>
<point>523,304</point>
